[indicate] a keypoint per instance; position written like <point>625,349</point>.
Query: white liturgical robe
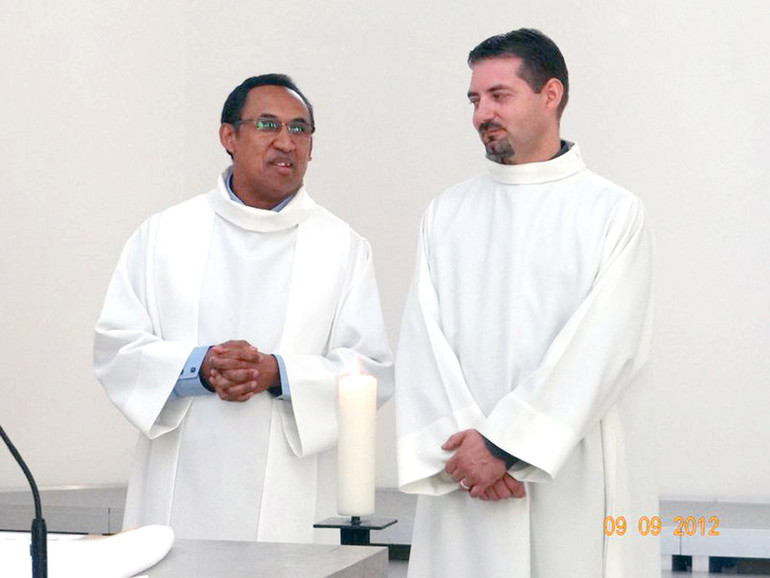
<point>299,283</point>
<point>529,320</point>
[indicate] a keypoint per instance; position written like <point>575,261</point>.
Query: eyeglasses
<point>296,128</point>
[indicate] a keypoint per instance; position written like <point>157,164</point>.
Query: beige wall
<point>110,113</point>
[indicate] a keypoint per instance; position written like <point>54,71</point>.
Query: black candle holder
<point>354,531</point>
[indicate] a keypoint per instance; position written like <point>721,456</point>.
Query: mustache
<point>485,126</point>
<point>281,157</point>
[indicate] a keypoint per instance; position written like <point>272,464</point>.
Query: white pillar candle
<point>357,413</point>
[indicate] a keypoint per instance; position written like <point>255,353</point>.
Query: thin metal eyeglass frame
<point>254,121</point>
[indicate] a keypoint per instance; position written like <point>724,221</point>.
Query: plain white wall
<point>110,113</point>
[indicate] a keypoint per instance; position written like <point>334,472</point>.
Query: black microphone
<point>39,547</point>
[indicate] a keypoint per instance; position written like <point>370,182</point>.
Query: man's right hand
<point>504,488</point>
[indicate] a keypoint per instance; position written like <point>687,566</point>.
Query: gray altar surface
<point>204,559</point>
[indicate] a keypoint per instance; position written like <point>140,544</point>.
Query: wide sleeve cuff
<point>421,460</point>
<point>530,435</point>
<point>310,420</point>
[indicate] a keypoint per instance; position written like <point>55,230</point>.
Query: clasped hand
<point>237,370</point>
<point>477,471</point>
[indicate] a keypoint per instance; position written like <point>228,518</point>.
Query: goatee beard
<point>500,152</point>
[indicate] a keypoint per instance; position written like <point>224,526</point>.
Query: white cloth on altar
<point>529,319</point>
<point>299,283</point>
<point>121,555</point>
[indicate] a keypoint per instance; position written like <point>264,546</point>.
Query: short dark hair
<point>541,59</point>
<point>231,111</point>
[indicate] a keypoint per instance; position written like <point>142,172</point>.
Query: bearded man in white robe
<point>523,404</point>
<point>225,327</point>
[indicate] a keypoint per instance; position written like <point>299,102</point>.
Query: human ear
<point>227,136</point>
<point>553,92</point>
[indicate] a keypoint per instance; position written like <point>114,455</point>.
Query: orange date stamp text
<point>652,526</point>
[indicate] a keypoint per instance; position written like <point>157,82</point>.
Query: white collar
<point>297,210</point>
<point>555,169</point>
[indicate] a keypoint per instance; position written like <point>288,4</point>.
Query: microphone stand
<point>38,547</point>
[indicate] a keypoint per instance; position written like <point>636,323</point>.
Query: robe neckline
<point>558,168</point>
<point>300,208</point>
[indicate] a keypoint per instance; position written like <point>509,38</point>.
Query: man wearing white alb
<point>225,327</point>
<point>522,390</point>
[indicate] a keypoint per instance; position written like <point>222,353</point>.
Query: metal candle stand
<point>354,531</point>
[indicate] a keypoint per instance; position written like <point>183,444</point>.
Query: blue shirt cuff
<point>282,375</point>
<point>189,382</point>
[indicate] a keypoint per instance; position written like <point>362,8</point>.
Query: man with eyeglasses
<point>226,324</point>
<point>522,390</point>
